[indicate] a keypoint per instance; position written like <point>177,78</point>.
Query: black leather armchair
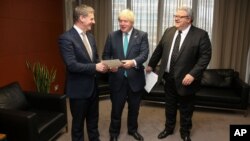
<point>30,116</point>
<point>224,89</point>
<point>220,88</point>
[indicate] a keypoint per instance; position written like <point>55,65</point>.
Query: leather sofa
<point>31,116</point>
<point>220,88</point>
<point>103,84</point>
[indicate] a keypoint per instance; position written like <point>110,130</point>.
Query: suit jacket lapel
<point>132,40</point>
<point>119,43</point>
<point>168,38</point>
<point>77,36</point>
<point>91,43</point>
<point>79,40</point>
<point>185,42</point>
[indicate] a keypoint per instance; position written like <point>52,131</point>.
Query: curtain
<point>118,5</point>
<point>68,12</point>
<point>204,10</point>
<point>103,18</point>
<point>146,12</point>
<point>231,34</point>
<point>247,79</point>
<point>103,21</point>
<point>154,16</point>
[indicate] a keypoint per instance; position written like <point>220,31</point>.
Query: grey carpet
<point>208,124</point>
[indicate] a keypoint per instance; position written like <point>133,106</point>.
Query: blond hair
<point>127,14</point>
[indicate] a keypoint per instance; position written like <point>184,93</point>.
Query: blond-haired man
<point>126,82</point>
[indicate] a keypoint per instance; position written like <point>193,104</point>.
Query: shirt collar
<point>129,33</point>
<point>79,31</point>
<point>185,31</point>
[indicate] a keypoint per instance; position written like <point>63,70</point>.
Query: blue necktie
<point>125,48</point>
<point>125,44</point>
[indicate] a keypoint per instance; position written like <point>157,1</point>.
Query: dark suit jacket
<point>193,58</point>
<point>137,49</point>
<point>80,79</point>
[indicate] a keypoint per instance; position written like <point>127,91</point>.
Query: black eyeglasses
<point>180,17</point>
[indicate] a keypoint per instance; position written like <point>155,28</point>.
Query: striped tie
<point>175,52</point>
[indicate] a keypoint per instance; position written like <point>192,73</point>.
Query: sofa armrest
<point>243,90</point>
<point>17,123</point>
<point>50,102</point>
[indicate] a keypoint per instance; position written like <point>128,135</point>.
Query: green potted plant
<point>43,77</point>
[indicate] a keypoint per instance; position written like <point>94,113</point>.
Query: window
<point>154,16</point>
<point>118,5</point>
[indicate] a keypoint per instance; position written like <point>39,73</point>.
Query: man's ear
<point>190,20</point>
<point>82,18</point>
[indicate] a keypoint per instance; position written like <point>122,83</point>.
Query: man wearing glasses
<point>185,52</point>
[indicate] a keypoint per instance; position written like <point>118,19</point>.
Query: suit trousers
<point>118,100</point>
<point>173,100</point>
<point>81,110</point>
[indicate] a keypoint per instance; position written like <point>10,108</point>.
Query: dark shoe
<point>113,138</point>
<point>186,138</point>
<point>137,136</point>
<point>164,134</point>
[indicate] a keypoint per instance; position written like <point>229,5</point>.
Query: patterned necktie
<point>175,51</point>
<point>87,46</point>
<point>125,44</point>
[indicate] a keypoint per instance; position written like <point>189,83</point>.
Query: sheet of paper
<point>112,63</point>
<point>151,79</point>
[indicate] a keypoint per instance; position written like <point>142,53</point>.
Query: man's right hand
<point>114,69</point>
<point>100,67</point>
<point>148,69</point>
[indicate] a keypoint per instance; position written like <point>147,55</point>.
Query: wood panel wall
<point>29,31</point>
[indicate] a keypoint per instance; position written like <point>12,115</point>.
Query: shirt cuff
<point>135,63</point>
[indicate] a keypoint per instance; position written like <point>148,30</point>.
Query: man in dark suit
<point>184,51</point>
<point>78,49</point>
<point>126,82</point>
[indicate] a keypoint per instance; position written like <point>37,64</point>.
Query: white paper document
<point>112,63</point>
<point>151,79</point>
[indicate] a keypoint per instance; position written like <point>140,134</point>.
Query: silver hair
<point>188,10</point>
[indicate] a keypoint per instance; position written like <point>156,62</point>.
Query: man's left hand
<point>127,64</point>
